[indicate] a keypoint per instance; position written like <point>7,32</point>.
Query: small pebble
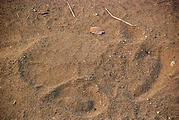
<point>34,9</point>
<point>165,35</point>
<point>158,112</point>
<point>14,102</point>
<point>49,27</point>
<point>172,63</point>
<point>117,80</point>
<point>124,41</point>
<point>86,77</point>
<point>97,30</point>
<point>96,14</point>
<point>147,99</point>
<point>151,30</point>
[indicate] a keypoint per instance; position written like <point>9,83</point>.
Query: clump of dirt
<point>53,68</point>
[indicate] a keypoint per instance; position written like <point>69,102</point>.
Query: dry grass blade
<point>70,9</point>
<point>117,17</point>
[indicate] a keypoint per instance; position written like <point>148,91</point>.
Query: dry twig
<point>18,15</point>
<point>117,17</point>
<point>70,9</point>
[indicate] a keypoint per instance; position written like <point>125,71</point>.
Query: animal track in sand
<point>80,97</point>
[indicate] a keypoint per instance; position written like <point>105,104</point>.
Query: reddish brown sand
<point>53,68</point>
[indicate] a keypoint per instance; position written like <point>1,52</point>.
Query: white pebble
<point>14,102</point>
<point>96,14</point>
<point>172,63</point>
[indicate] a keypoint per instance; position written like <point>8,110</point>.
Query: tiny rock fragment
<point>14,102</point>
<point>44,13</point>
<point>96,14</point>
<point>34,9</point>
<point>97,30</point>
<point>155,106</point>
<point>86,77</point>
<point>172,63</point>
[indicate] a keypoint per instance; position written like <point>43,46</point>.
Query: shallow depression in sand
<point>80,97</point>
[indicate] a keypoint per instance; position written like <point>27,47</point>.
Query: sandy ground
<point>53,68</point>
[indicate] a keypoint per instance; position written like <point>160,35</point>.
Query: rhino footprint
<point>80,97</point>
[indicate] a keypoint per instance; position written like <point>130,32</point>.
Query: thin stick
<point>117,17</point>
<point>70,9</point>
<point>17,15</point>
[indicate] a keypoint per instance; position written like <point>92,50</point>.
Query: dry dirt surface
<point>53,68</point>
